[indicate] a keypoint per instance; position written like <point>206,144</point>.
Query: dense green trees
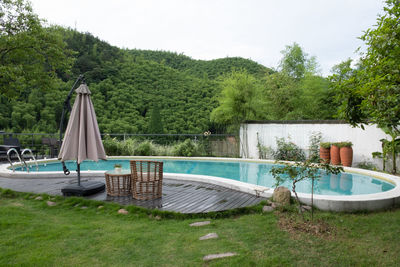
<point>133,89</point>
<point>30,58</point>
<point>370,93</point>
<point>240,100</point>
<point>156,124</point>
<point>297,92</point>
<point>294,92</point>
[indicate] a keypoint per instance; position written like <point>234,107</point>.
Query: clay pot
<point>346,156</point>
<point>335,155</point>
<point>325,154</point>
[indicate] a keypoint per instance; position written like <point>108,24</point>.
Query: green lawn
<point>32,233</point>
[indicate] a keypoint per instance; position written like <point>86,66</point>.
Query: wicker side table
<point>118,183</point>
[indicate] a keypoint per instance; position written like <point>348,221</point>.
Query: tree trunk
<point>297,199</point>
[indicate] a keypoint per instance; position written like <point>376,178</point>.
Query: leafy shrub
<point>344,144</point>
<point>163,150</point>
<point>145,149</point>
<point>367,165</point>
<point>134,147</point>
<point>315,139</point>
<point>288,151</point>
<point>325,144</point>
<point>189,149</point>
<point>110,145</point>
<point>265,152</point>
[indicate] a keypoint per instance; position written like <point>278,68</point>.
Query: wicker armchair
<point>147,179</point>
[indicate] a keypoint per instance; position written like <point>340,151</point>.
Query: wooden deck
<point>190,197</point>
<point>179,196</point>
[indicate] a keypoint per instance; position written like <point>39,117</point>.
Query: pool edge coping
<point>374,201</point>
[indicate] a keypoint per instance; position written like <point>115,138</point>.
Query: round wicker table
<point>118,183</point>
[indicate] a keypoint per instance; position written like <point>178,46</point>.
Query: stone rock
<point>275,205</point>
<point>281,195</point>
<point>157,218</point>
<point>123,211</point>
<point>51,203</point>
<point>100,207</point>
<point>77,205</point>
<point>83,207</point>
<point>39,198</point>
<point>268,209</point>
<point>209,236</point>
<point>218,256</point>
<point>200,223</point>
<point>306,208</point>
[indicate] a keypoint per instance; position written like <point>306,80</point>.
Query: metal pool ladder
<point>21,158</point>
<point>32,157</point>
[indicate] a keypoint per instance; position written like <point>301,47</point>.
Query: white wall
<point>364,141</point>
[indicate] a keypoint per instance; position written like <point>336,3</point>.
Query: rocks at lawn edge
<point>281,195</point>
<point>123,211</point>
<point>268,209</point>
<point>306,208</point>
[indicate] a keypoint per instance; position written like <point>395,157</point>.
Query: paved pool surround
<point>369,202</point>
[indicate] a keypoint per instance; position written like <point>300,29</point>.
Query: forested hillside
<point>126,85</point>
<point>135,90</point>
<point>202,68</point>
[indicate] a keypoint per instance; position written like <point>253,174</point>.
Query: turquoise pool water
<point>248,172</point>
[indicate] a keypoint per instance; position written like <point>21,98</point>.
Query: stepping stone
<point>209,236</point>
<point>268,209</point>
<point>84,207</point>
<point>306,208</point>
<point>100,207</point>
<point>51,203</point>
<point>275,205</point>
<point>39,198</point>
<point>123,211</point>
<point>200,223</point>
<point>218,256</point>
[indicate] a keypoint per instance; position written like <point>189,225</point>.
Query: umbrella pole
<point>79,173</point>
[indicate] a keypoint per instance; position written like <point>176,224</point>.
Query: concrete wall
<point>364,141</point>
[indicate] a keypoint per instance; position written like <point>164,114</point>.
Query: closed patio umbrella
<point>82,140</point>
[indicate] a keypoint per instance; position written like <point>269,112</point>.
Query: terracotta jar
<point>335,154</point>
<point>346,155</point>
<point>325,154</point>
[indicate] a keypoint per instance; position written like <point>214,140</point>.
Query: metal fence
<point>218,145</point>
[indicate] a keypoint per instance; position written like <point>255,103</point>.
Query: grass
<point>33,233</point>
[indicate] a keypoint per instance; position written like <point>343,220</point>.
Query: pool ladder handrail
<point>22,161</point>
<point>32,156</point>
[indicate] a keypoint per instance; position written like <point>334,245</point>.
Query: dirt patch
<point>296,226</point>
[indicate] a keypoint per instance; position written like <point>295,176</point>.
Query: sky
<point>210,29</point>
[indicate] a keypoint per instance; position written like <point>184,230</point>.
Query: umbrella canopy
<point>82,138</point>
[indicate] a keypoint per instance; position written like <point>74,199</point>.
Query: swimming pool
<point>256,173</point>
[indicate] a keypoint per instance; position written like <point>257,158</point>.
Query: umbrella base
<point>85,189</point>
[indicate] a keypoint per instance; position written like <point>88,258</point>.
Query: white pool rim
<point>376,201</point>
